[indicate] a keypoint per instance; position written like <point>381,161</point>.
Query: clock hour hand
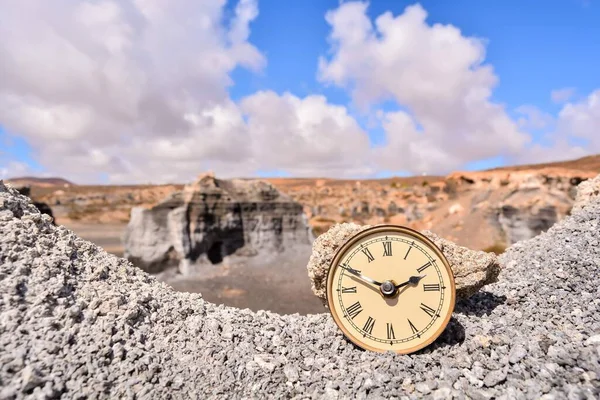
<point>364,278</point>
<point>413,280</point>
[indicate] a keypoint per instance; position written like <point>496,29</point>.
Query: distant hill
<point>34,181</point>
<point>589,163</point>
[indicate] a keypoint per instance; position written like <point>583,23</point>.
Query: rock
<point>522,223</point>
<point>540,201</point>
<point>360,209</point>
<point>212,219</point>
<point>43,207</point>
<point>494,378</point>
<point>586,191</point>
<point>517,353</point>
<point>455,208</point>
<point>53,322</point>
<point>510,206</point>
<point>31,378</point>
<point>393,208</point>
<point>472,269</point>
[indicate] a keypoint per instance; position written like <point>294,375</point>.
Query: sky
<point>150,91</point>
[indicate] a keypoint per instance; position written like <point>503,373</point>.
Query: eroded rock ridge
<point>212,219</point>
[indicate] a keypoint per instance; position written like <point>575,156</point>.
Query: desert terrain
<point>483,210</point>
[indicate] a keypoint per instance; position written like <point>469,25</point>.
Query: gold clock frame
<point>398,229</point>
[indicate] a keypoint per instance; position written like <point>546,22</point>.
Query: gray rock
<point>212,219</point>
<point>517,353</point>
<point>76,322</point>
<point>586,191</point>
<point>30,378</point>
<point>472,269</point>
<point>494,378</point>
<point>522,223</point>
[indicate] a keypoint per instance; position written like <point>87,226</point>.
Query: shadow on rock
<point>453,335</point>
<point>480,304</point>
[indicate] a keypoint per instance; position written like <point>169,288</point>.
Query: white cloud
<point>582,119</point>
<point>575,133</point>
<point>433,72</point>
<point>101,86</point>
<point>560,96</point>
<point>306,137</point>
<point>15,169</point>
<point>531,117</point>
<point>137,91</point>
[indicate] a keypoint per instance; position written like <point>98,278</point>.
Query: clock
<point>390,288</point>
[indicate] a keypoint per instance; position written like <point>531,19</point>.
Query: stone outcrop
<point>586,191</point>
<point>472,269</point>
<point>513,205</point>
<point>43,207</point>
<point>534,203</point>
<point>212,219</point>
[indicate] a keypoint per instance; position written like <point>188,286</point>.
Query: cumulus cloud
<point>436,76</point>
<point>102,86</point>
<point>531,117</point>
<point>137,91</point>
<point>574,133</point>
<point>582,119</point>
<point>560,96</point>
<point>306,137</point>
<point>15,169</point>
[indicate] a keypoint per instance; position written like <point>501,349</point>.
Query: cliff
<point>212,219</point>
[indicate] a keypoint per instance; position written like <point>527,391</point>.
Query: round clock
<point>390,288</point>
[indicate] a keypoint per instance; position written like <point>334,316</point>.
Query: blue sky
<point>534,48</point>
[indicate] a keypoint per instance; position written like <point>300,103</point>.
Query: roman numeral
<point>413,328</point>
<point>349,289</point>
<point>369,325</point>
<point>368,254</point>
<point>424,267</point>
<point>431,287</point>
<point>409,249</point>
<point>390,331</point>
<point>354,310</point>
<point>387,249</point>
<point>430,311</point>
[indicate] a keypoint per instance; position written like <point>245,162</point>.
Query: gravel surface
<point>77,322</point>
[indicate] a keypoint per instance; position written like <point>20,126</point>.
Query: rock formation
<point>531,203</point>
<point>472,269</point>
<point>43,207</point>
<point>586,191</point>
<point>77,322</point>
<point>212,219</point>
<point>479,210</point>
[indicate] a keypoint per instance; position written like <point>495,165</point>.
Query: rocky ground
<point>78,322</point>
<point>279,284</point>
<point>486,210</point>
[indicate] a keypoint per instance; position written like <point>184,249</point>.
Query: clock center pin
<point>388,289</point>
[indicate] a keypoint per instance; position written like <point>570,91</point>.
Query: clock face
<point>390,288</point>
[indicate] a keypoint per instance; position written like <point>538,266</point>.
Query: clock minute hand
<point>412,280</point>
<point>364,278</point>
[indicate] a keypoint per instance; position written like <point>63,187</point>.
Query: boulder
<point>211,219</point>
<point>472,269</point>
<point>586,191</point>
